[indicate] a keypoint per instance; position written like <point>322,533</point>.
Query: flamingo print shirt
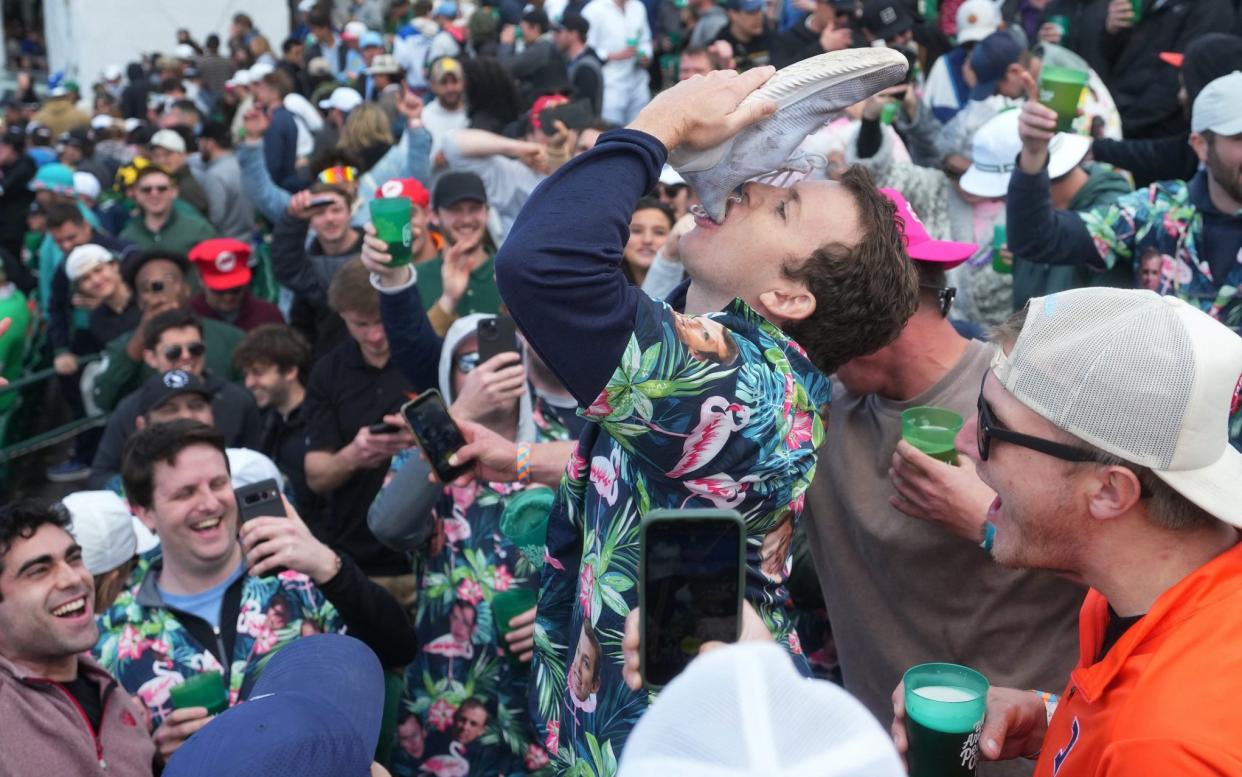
<point>720,411</point>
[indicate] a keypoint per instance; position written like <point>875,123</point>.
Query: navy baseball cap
<point>314,712</point>
<point>990,58</point>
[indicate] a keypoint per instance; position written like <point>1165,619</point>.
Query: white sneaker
<point>807,95</point>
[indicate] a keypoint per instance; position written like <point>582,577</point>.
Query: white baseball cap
<point>85,258</point>
<point>247,466</point>
<point>1147,378</point>
<point>184,51</point>
<point>994,151</point>
<point>103,526</point>
<point>354,30</point>
<point>260,69</point>
<point>1218,108</point>
<point>343,99</point>
<point>240,78</point>
<point>977,19</point>
<point>87,185</point>
<point>168,139</point>
<point>744,710</point>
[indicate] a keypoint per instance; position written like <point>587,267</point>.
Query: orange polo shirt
<point>1166,701</point>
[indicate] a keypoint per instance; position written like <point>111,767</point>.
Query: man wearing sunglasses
<point>1103,427</point>
<point>875,496</point>
<point>174,340</point>
<point>161,225</point>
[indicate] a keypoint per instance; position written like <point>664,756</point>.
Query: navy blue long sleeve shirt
<point>1039,233</point>
<point>280,150</point>
<point>559,271</point>
<point>413,344</point>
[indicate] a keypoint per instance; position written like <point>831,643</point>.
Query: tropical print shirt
<point>716,411</point>
<point>149,648</point>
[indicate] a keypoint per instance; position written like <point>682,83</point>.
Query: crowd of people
<point>189,245</point>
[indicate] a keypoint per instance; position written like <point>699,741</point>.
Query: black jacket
<point>15,199</point>
<point>1143,86</point>
<point>1086,28</point>
<point>1160,159</point>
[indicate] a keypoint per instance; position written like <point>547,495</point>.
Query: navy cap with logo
<point>314,712</point>
<point>991,57</point>
<point>886,19</point>
<point>158,389</point>
<point>453,188</point>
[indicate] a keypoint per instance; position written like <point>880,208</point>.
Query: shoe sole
<point>807,94</point>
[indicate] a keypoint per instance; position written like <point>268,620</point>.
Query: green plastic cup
<point>391,217</point>
<point>525,522</point>
<point>888,113</point>
<point>1060,88</point>
<point>945,707</point>
<point>1000,240</point>
<point>202,690</point>
<point>1063,23</point>
<point>1137,5</point>
<point>932,430</point>
<point>507,605</point>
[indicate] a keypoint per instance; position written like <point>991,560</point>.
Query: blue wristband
<point>989,536</point>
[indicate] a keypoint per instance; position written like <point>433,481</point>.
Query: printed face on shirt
<point>469,722</point>
<point>1039,524</point>
<point>47,599</point>
<point>584,672</point>
<point>1149,271</point>
<point>707,339</point>
<point>194,512</point>
<point>769,230</point>
<point>461,622</point>
<point>411,737</point>
<point>465,222</point>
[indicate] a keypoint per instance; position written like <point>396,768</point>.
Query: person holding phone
<point>468,562</point>
<point>699,402</point>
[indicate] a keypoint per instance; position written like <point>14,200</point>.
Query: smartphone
<point>320,201</point>
<point>497,335</point>
<point>575,115</point>
<point>436,433</point>
<point>383,428</point>
<point>691,579</point>
<point>260,499</point>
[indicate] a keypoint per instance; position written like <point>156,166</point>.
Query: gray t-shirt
<point>901,591</point>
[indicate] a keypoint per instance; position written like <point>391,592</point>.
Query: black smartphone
<point>575,115</point>
<point>320,201</point>
<point>497,335</point>
<point>691,580</point>
<point>436,433</point>
<point>259,499</point>
<point>383,428</point>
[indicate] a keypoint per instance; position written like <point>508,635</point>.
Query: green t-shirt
<point>13,343</point>
<point>481,295</point>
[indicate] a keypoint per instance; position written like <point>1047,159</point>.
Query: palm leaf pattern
<point>662,412</point>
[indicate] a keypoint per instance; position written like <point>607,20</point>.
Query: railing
<point>53,436</point>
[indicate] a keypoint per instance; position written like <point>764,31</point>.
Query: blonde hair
<point>367,125</point>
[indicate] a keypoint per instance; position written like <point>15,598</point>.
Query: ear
<point>145,515</point>
<point>792,303</point>
<point>1199,144</point>
<point>140,423</point>
<point>1113,492</point>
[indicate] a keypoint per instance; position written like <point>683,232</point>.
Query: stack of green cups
<point>932,430</point>
<point>391,217</point>
<point>525,522</point>
<point>945,708</point>
<point>1061,88</point>
<point>205,689</point>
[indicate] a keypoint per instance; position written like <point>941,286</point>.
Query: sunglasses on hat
<point>338,174</point>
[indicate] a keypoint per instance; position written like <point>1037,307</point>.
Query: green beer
<point>932,430</point>
<point>391,217</point>
<point>888,113</point>
<point>201,690</point>
<point>945,707</point>
<point>1061,88</point>
<point>1000,241</point>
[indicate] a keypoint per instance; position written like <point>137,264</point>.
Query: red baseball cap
<point>544,103</point>
<point>920,245</point>
<point>410,188</point>
<point>223,263</point>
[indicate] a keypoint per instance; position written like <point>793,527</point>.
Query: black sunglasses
<point>173,352</point>
<point>153,189</point>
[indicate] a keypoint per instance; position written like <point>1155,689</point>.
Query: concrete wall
<point>85,36</point>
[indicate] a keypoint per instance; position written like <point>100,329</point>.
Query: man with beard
<point>62,713</point>
<point>447,113</point>
<point>462,280</point>
<point>1197,222</point>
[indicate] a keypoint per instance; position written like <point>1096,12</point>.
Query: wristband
<point>989,536</point>
<point>523,462</point>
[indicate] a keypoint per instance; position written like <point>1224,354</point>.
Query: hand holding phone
<point>691,581</point>
<point>753,630</point>
<point>497,335</point>
<point>436,433</point>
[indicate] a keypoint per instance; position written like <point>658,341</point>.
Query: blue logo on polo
<point>1064,752</point>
